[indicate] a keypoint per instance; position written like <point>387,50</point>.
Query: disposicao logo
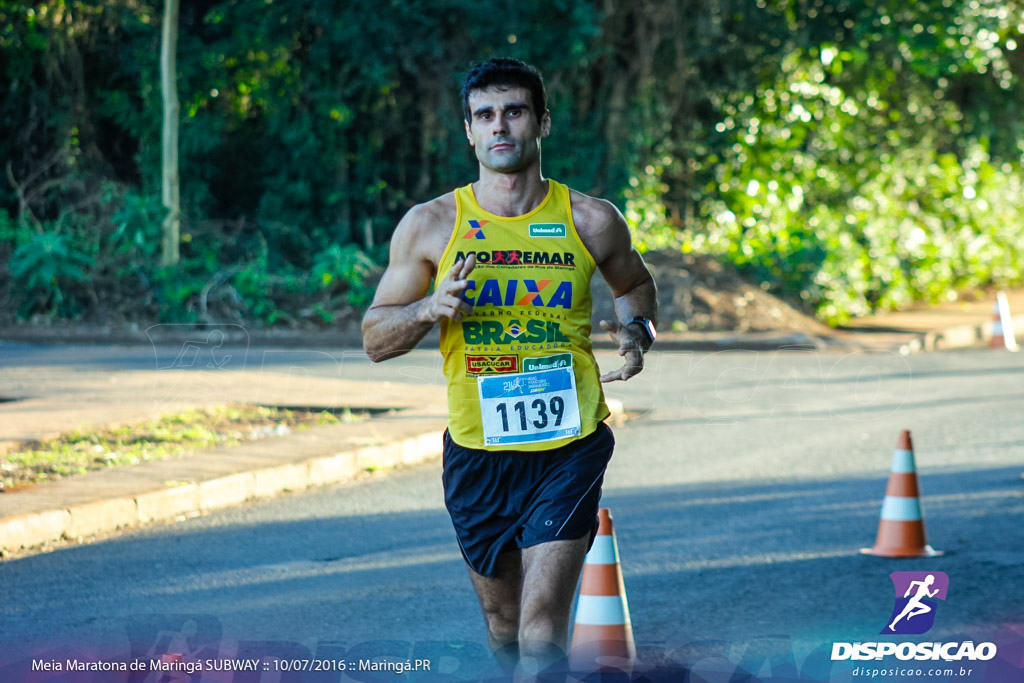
<point>915,604</point>
<point>913,613</point>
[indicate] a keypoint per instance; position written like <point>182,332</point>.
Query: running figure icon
<point>915,606</point>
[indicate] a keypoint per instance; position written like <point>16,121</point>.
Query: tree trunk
<point>170,236</point>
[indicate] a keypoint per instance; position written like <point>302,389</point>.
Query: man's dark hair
<point>505,72</point>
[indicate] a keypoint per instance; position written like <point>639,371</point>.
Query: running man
<point>915,607</point>
<point>511,257</point>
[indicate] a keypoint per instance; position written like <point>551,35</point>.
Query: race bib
<point>529,407</point>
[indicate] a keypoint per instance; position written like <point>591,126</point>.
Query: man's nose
<point>500,124</point>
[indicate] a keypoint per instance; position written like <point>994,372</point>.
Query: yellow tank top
<point>521,370</point>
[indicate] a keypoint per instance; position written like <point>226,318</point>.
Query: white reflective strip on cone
<point>1006,322</point>
<point>901,509</point>
<point>603,551</point>
<point>601,610</point>
<point>903,461</point>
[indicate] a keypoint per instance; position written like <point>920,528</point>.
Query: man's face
<point>503,128</point>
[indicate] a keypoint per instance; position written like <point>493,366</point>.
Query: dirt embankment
<point>698,294</point>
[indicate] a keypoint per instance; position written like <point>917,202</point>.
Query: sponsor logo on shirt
<point>517,257</point>
<point>492,364</point>
<point>476,231</point>
<point>561,360</point>
<point>513,292</point>
<point>494,333</point>
<point>547,230</point>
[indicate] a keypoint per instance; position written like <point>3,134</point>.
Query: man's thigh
<point>536,583</point>
<point>500,594</point>
<point>550,574</point>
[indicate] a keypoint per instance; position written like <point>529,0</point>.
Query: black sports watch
<point>648,328</point>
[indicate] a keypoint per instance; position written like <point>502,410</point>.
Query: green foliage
<point>340,280</point>
<point>854,154</point>
<point>45,268</point>
<point>13,233</point>
<point>346,269</point>
<point>135,220</point>
<point>858,174</point>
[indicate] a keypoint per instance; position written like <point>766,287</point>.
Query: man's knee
<point>502,622</point>
<point>543,629</point>
<point>503,634</point>
<point>542,661</point>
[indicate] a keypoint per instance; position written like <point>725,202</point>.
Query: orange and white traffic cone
<point>901,528</point>
<point>602,637</point>
<point>1002,325</point>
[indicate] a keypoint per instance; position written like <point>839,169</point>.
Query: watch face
<point>647,325</point>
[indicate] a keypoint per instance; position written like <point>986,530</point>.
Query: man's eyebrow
<point>485,109</point>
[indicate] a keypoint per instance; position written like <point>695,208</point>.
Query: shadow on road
<point>730,562</point>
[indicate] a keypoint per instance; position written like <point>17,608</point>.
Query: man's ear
<point>469,134</point>
<point>545,124</point>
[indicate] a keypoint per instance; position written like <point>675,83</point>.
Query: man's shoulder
<point>593,213</point>
<point>599,224</point>
<point>434,212</point>
<point>426,228</point>
<point>429,223</point>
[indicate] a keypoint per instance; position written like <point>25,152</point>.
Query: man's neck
<point>510,194</point>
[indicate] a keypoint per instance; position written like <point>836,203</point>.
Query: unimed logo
<point>915,605</point>
<point>548,230</point>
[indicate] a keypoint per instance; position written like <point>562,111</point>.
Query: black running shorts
<point>503,500</point>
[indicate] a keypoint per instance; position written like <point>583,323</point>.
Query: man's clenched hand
<point>629,347</point>
<point>447,301</point>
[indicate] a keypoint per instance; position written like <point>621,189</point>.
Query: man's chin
<point>504,165</point>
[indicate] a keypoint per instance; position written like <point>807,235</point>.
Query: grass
<point>168,436</point>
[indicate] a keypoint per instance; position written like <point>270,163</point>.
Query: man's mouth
<point>498,146</point>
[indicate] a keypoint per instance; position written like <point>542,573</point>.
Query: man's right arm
<point>402,312</point>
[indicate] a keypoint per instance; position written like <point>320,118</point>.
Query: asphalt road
<point>741,491</point>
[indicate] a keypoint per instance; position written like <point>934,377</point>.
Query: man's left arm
<point>606,235</point>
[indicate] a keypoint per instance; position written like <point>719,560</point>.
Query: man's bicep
<point>606,236</point>
<point>409,272</point>
<point>403,283</point>
<point>625,271</point>
<point>622,268</point>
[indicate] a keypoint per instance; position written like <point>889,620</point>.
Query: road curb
<point>966,335</point>
<point>181,499</point>
<point>25,531</point>
<point>75,522</point>
<point>955,337</point>
<point>167,504</point>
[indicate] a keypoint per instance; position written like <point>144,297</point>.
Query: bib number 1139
<point>529,407</point>
<point>538,415</point>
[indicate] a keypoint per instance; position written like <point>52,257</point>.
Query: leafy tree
<point>854,154</point>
